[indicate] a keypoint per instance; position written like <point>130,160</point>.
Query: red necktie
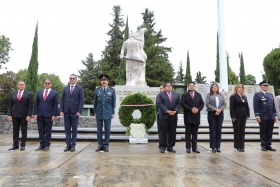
<point>71,90</point>
<point>170,97</point>
<point>192,94</point>
<point>46,95</point>
<point>19,96</point>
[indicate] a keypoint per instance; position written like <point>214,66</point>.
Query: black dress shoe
<point>98,149</point>
<point>242,150</point>
<point>196,150</point>
<point>171,150</point>
<point>218,150</point>
<point>162,150</point>
<point>238,150</point>
<point>40,148</point>
<point>13,148</point>
<point>214,150</point>
<point>264,149</point>
<point>67,148</point>
<point>46,148</point>
<point>188,150</point>
<point>106,149</point>
<point>72,149</point>
<point>22,148</point>
<point>270,149</point>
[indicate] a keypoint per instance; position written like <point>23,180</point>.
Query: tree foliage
<point>22,75</point>
<point>217,71</point>
<point>199,78</point>
<point>188,77</point>
<point>180,74</point>
<point>111,61</point>
<point>250,79</point>
<point>8,82</point>
<point>271,65</point>
<point>242,75</point>
<point>57,85</point>
<point>5,48</point>
<point>32,79</point>
<point>158,67</point>
<point>232,77</point>
<point>89,77</point>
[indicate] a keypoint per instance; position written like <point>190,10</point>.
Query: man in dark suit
<point>192,103</point>
<point>45,112</point>
<point>20,110</point>
<point>71,107</point>
<point>104,108</point>
<point>265,114</point>
<point>169,105</point>
<point>161,89</point>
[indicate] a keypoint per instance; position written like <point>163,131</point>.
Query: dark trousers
<point>19,123</point>
<point>71,122</point>
<point>167,128</point>
<point>45,130</point>
<point>239,132</point>
<point>215,128</point>
<point>191,135</point>
<point>107,129</point>
<point>266,129</point>
<point>158,126</point>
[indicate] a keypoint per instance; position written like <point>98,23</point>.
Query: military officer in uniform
<point>265,114</point>
<point>104,108</point>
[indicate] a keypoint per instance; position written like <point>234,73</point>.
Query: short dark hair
<point>166,84</point>
<point>191,83</point>
<point>47,79</point>
<point>73,75</point>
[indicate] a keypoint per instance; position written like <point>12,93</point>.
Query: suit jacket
<point>210,102</point>
<point>46,108</point>
<point>22,108</point>
<point>238,108</point>
<point>104,103</point>
<point>72,103</point>
<point>164,104</point>
<point>188,103</point>
<point>277,105</point>
<point>264,106</point>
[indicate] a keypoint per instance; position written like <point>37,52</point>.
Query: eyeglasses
<point>72,78</point>
<point>47,83</point>
<point>168,85</point>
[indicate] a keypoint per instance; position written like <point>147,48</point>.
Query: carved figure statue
<point>135,58</point>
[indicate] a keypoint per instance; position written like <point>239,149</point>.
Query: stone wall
<point>6,127</point>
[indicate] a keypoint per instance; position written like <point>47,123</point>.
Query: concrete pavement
<point>137,165</point>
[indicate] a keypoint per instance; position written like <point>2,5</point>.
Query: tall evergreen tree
<point>111,60</point>
<point>32,79</point>
<point>232,77</point>
<point>242,75</point>
<point>158,68</point>
<point>180,74</point>
<point>199,78</point>
<point>89,77</point>
<point>217,71</point>
<point>121,79</point>
<point>188,77</point>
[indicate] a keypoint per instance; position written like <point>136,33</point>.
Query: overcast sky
<point>69,30</point>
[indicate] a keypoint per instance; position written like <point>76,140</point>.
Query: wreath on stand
<point>137,102</point>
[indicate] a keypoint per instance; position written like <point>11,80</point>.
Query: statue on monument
<point>135,59</point>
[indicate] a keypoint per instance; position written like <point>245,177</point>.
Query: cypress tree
<point>232,77</point>
<point>32,78</point>
<point>188,71</point>
<point>217,71</point>
<point>121,79</point>
<point>242,75</point>
<point>180,75</point>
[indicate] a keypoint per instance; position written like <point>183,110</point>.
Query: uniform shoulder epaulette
<point>110,87</point>
<point>99,87</point>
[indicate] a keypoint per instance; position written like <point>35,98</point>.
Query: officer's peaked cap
<point>264,83</point>
<point>104,76</point>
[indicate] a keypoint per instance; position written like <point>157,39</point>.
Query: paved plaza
<point>129,165</point>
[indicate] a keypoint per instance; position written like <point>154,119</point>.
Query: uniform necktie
<point>104,90</point>
<point>192,94</point>
<point>71,90</point>
<point>19,96</point>
<point>46,95</point>
<point>170,96</point>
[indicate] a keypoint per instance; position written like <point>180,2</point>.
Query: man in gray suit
<point>71,107</point>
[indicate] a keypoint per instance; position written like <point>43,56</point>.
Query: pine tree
<point>32,79</point>
<point>121,79</point>
<point>111,61</point>
<point>242,75</point>
<point>217,71</point>
<point>158,68</point>
<point>232,77</point>
<point>199,78</point>
<point>188,77</point>
<point>180,74</point>
<point>89,77</point>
